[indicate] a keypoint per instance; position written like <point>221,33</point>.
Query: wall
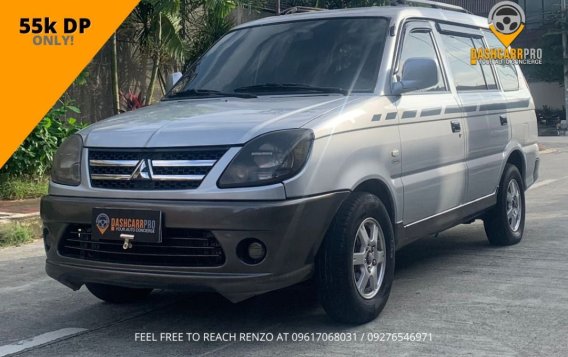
<point>477,7</point>
<point>547,93</point>
<point>95,97</point>
<point>537,11</point>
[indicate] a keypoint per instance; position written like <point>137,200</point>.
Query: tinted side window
<point>486,68</point>
<point>466,76</point>
<point>419,43</point>
<point>507,73</point>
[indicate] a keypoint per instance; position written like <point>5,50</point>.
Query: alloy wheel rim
<point>369,258</point>
<point>514,206</point>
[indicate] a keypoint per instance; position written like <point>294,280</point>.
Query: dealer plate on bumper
<point>115,224</point>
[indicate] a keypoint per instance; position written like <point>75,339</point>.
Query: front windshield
<point>336,55</point>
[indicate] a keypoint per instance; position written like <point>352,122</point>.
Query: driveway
<point>471,298</point>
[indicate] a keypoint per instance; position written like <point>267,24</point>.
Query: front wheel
<point>117,294</point>
<point>355,265</point>
<point>505,223</point>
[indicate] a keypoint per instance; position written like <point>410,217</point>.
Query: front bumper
<point>292,231</point>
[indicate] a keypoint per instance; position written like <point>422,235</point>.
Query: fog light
<point>256,251</point>
<point>251,251</point>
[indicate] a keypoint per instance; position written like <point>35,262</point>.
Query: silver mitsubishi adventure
<point>298,146</point>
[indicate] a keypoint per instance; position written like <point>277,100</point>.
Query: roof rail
<point>432,4</point>
<point>299,9</point>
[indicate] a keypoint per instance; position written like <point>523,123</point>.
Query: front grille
<point>179,247</point>
<point>178,169</point>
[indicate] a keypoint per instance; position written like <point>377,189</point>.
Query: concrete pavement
<point>472,298</point>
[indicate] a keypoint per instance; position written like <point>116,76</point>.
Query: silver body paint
<point>403,142</point>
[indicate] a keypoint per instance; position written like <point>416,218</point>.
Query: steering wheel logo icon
<point>507,21</point>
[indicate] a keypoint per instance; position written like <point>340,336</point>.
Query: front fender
<point>343,161</point>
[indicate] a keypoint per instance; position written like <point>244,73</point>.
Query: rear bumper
<point>292,231</point>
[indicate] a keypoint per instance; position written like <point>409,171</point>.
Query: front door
<point>432,135</point>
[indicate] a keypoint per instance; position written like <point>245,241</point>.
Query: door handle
<point>503,119</point>
<point>456,126</point>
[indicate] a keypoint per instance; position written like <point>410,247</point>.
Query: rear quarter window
<point>507,73</point>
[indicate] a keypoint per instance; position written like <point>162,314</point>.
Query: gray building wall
<point>477,7</point>
<point>537,11</point>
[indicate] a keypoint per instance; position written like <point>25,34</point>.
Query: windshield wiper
<point>289,87</point>
<point>209,93</point>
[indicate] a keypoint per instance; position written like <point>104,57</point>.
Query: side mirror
<point>417,73</point>
<point>172,80</point>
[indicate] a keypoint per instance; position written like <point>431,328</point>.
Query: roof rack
<point>299,9</point>
<point>432,4</point>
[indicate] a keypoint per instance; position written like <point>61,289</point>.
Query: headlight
<point>67,162</point>
<point>268,159</point>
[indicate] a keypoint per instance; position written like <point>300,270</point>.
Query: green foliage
<point>33,158</point>
<point>21,188</point>
<point>82,79</point>
<point>159,25</point>
<point>209,28</point>
<point>15,234</point>
<point>214,21</point>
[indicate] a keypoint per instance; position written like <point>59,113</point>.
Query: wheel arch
<point>383,192</point>
<point>517,158</point>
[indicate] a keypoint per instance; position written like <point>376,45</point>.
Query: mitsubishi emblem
<point>142,171</point>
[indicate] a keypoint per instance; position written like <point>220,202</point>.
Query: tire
<point>503,229</point>
<point>117,294</point>
<point>336,271</point>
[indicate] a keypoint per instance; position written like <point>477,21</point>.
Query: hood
<point>207,122</point>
